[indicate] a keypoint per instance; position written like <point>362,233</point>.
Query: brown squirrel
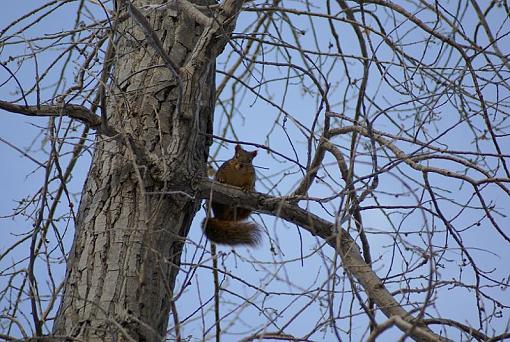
<point>228,225</point>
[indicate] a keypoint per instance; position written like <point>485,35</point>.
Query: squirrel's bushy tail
<point>232,232</point>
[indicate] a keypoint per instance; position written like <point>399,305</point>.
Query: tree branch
<point>192,12</point>
<point>73,111</point>
<point>346,247</point>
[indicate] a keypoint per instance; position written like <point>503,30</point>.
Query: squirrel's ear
<point>238,147</point>
<point>254,154</point>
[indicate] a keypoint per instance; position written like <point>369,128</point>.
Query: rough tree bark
<point>131,221</point>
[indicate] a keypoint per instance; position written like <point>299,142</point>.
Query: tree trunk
<point>131,222</point>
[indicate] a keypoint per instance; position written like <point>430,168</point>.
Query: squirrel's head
<point>243,155</point>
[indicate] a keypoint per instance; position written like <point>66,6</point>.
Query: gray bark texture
<point>132,221</point>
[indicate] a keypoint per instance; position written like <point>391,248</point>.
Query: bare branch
<point>72,111</point>
<point>347,248</point>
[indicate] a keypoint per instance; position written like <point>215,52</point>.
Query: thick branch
<point>192,12</point>
<point>347,248</point>
<point>73,111</point>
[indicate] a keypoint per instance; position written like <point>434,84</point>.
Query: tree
<point>386,138</point>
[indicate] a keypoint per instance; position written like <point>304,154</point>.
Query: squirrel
<point>229,226</point>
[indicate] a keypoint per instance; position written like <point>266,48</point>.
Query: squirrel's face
<point>244,156</point>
